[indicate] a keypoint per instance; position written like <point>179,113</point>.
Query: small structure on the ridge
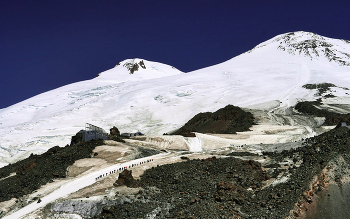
<point>131,134</point>
<point>93,132</point>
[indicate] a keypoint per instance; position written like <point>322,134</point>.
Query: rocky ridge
<point>227,120</point>
<point>314,108</point>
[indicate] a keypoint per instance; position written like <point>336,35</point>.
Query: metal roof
<point>90,127</point>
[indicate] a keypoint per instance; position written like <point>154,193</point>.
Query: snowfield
<point>158,98</point>
<point>154,98</point>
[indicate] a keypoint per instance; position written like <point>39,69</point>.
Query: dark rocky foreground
<point>233,188</point>
<point>227,120</point>
<point>38,170</point>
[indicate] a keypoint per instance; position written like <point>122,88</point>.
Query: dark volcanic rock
<point>207,188</point>
<point>228,192</point>
<point>241,153</point>
<point>126,178</point>
<point>37,170</point>
<point>332,118</point>
<point>232,188</point>
<point>116,138</point>
<point>186,133</point>
<point>227,120</point>
<point>115,131</point>
<point>77,138</point>
<point>115,135</point>
<point>134,66</point>
<point>321,88</point>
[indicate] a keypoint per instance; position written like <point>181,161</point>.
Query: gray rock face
<point>332,203</point>
<point>86,208</point>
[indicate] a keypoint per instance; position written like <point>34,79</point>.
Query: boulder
<point>114,131</point>
<point>125,178</point>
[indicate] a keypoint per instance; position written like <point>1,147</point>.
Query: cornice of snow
<point>310,45</point>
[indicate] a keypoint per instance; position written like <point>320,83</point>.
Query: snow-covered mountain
<point>313,46</point>
<point>154,98</point>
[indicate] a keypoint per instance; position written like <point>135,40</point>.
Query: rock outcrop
<point>38,170</point>
<point>126,178</point>
<point>227,120</point>
<point>115,135</point>
<point>313,108</point>
<point>114,131</point>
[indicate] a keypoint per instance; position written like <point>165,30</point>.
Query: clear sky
<point>50,43</point>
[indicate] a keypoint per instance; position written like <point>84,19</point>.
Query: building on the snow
<point>93,132</point>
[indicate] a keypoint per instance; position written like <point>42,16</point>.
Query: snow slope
<point>159,98</point>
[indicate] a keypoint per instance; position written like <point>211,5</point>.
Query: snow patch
<point>194,144</point>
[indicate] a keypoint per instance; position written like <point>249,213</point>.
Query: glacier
<point>158,98</point>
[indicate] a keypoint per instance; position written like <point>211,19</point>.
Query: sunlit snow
<point>161,98</point>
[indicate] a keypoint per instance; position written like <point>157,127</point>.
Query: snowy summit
<point>313,46</point>
<point>137,69</point>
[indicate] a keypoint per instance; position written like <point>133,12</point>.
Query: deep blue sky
<point>51,43</point>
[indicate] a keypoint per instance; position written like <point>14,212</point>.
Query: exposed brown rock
<point>186,133</point>
<point>125,178</point>
<point>228,192</point>
<point>114,131</point>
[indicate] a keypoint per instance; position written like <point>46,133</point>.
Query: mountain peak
<point>311,45</point>
<point>133,65</point>
<point>138,69</point>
